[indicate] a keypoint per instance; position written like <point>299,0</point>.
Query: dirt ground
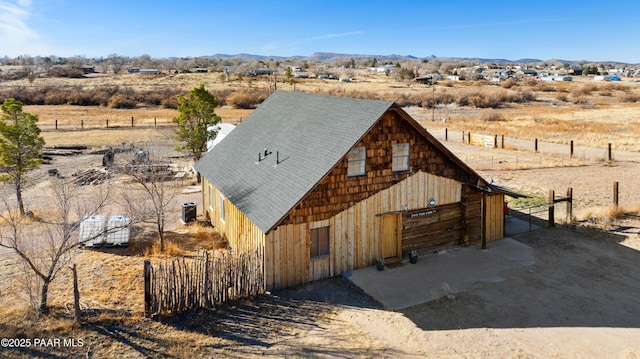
<point>581,298</point>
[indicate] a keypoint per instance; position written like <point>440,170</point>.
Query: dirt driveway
<point>581,299</point>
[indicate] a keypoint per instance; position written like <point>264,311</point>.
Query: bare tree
<point>154,190</point>
<point>46,243</point>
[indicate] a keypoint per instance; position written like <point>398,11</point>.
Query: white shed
<point>91,231</point>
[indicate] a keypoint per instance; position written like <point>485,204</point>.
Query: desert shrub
<point>562,97</point>
<point>606,92</point>
<point>519,96</point>
<point>508,84</point>
<point>101,96</point>
<point>492,116</point>
<point>580,100</point>
<point>66,71</point>
<point>611,86</point>
<point>15,74</point>
<point>630,97</point>
<point>445,98</point>
<point>546,87</point>
<point>246,99</point>
<point>122,101</point>
<point>55,97</point>
<point>584,90</point>
<point>79,97</point>
<point>170,102</point>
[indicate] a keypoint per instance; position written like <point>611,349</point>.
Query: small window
<point>222,214</point>
<point>319,242</point>
<point>400,161</point>
<point>210,196</point>
<point>357,162</point>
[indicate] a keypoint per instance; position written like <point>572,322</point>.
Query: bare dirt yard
<point>579,299</point>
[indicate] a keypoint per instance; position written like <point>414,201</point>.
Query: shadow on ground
<point>581,278</point>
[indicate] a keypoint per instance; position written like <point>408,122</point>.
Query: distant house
<point>260,72</point>
<point>149,71</point>
<point>527,73</point>
<point>320,185</point>
<point>87,69</point>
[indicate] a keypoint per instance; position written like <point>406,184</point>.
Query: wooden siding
<point>472,205</point>
<point>241,234</point>
<point>355,239</point>
<point>494,220</point>
<point>432,227</point>
<point>336,191</point>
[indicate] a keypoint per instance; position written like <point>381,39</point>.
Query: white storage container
<point>118,230</point>
<point>91,231</point>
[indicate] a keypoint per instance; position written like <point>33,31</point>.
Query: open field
<point>579,299</point>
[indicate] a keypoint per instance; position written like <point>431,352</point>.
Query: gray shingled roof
<point>309,133</point>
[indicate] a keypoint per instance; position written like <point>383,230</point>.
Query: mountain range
<point>332,57</point>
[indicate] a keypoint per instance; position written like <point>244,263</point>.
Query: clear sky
<point>569,30</point>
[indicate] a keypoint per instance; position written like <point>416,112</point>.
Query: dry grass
<point>606,215</point>
<point>111,279</point>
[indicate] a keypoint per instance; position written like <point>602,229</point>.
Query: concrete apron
<point>440,274</point>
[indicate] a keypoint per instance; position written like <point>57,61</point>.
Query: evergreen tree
<point>197,116</point>
<point>20,145</point>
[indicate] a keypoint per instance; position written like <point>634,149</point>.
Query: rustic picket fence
<point>183,284</point>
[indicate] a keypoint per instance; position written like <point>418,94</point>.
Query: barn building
<point>319,185</point>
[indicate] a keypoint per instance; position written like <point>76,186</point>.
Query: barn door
<point>391,235</point>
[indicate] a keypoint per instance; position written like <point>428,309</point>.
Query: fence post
<point>462,136</point>
<point>569,205</point>
<point>56,124</point>
<point>610,153</point>
<point>502,144</point>
<point>82,124</point>
<point>571,148</point>
<point>147,288</point>
<point>155,121</point>
<point>131,121</point>
<point>446,134</point>
<point>615,194</point>
<point>552,218</point>
<point>495,141</point>
<point>536,145</point>
<point>107,123</point>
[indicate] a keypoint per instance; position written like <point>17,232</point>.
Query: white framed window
<point>210,196</point>
<point>357,162</point>
<point>222,212</point>
<point>400,160</point>
<point>319,242</point>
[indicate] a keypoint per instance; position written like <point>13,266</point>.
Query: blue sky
<point>570,30</point>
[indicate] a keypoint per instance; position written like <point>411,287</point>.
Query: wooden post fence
<point>610,154</point>
<point>446,134</point>
<point>553,200</point>
<point>184,284</point>
<point>552,214</point>
<point>147,289</point>
<point>571,148</point>
<point>536,145</point>
<point>616,194</point>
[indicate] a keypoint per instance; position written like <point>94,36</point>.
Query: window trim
<point>360,162</point>
<point>211,195</point>
<point>319,230</point>
<point>395,157</point>
<point>222,209</point>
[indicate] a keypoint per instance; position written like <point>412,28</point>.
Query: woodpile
<point>90,177</point>
<point>63,150</point>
